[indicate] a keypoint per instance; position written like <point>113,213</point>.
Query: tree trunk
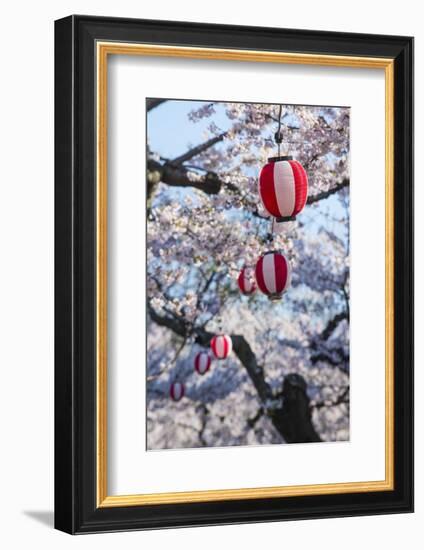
<point>293,420</point>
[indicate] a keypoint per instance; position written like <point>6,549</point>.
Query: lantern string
<point>219,322</point>
<point>269,237</point>
<point>278,137</point>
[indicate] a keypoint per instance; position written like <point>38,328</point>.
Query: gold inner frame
<point>104,49</point>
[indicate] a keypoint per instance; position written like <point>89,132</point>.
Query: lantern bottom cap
<point>285,219</point>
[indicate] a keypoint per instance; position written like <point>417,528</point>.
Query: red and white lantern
<point>273,274</point>
<point>283,188</point>
<point>221,346</point>
<point>202,362</point>
<point>177,391</point>
<point>246,282</point>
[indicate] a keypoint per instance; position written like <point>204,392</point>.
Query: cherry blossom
<point>204,224</point>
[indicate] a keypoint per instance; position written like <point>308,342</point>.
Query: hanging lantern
<point>202,362</point>
<point>221,346</point>
<point>283,188</point>
<point>245,282</point>
<point>176,391</point>
<point>273,274</point>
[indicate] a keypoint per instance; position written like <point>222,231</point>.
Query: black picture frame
<point>76,510</point>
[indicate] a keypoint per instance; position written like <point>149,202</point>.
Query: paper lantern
<point>273,274</point>
<point>202,362</point>
<point>176,391</point>
<point>246,281</point>
<point>283,188</point>
<point>221,346</point>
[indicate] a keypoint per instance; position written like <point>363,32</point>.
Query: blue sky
<point>170,131</point>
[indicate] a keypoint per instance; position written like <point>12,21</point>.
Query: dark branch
<point>197,150</point>
<point>179,176</point>
<point>321,351</point>
<point>333,324</point>
<point>152,103</point>
<point>204,411</point>
<point>251,422</point>
<point>248,359</point>
<point>342,398</point>
<point>176,324</point>
<point>176,174</point>
<point>324,194</point>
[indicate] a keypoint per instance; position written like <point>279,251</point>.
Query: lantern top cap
<point>277,159</point>
<point>273,252</point>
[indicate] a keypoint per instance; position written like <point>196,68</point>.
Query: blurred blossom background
<point>287,379</point>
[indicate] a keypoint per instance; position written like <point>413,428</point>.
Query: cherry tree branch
<point>333,324</point>
<point>204,411</point>
<point>197,150</point>
<point>171,361</point>
<point>240,346</point>
<point>251,422</point>
<point>179,176</point>
<point>325,194</point>
<point>342,398</point>
<point>152,103</point>
<point>292,419</point>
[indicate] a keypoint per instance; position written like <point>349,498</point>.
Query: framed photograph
<point>234,274</point>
